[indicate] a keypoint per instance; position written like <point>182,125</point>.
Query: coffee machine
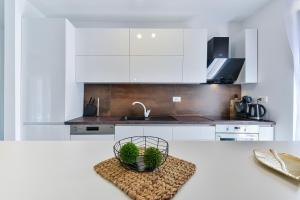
<point>244,108</point>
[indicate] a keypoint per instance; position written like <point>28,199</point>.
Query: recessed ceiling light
<point>153,35</point>
<point>139,36</point>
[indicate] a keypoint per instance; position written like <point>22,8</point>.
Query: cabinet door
<point>43,70</point>
<point>156,69</point>
<point>97,41</point>
<point>99,69</point>
<point>156,42</point>
<point>202,133</point>
<point>251,48</point>
<point>45,132</point>
<point>195,56</point>
<point>266,133</point>
<point>122,132</point>
<point>164,132</point>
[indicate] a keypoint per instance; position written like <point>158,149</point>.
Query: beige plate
<point>291,162</point>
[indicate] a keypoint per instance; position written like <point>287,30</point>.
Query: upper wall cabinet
<point>102,69</point>
<point>156,42</point>
<point>244,44</point>
<point>96,41</point>
<point>251,49</point>
<point>156,69</point>
<point>141,55</point>
<point>195,56</point>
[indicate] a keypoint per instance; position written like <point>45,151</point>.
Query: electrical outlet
<point>264,99</point>
<point>177,99</point>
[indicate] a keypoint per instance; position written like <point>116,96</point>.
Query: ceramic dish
<point>284,163</point>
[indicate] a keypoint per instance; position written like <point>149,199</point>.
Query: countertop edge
<point>180,121</point>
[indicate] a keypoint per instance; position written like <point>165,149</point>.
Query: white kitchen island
<point>64,171</point>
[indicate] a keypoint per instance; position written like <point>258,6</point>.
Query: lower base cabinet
<point>164,132</point>
<point>122,132</point>
<point>266,133</point>
<point>45,132</point>
<point>168,132</point>
<point>92,137</point>
<point>195,133</point>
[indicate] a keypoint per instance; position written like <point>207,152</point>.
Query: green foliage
<point>152,157</point>
<point>128,153</point>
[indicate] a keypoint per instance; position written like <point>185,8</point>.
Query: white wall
<point>15,10</point>
<point>275,67</point>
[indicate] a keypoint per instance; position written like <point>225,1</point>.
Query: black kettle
<point>256,111</point>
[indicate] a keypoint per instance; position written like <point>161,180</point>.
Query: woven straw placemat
<point>163,183</point>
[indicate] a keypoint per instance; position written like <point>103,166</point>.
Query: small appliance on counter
<point>256,111</point>
<point>241,107</point>
<point>244,108</point>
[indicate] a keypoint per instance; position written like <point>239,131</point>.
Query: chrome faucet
<point>146,112</point>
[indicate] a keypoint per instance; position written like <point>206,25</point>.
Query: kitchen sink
<point>152,118</point>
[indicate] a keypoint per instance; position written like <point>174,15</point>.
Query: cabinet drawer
<point>164,132</point>
<point>97,41</point>
<point>98,69</point>
<point>205,133</point>
<point>156,42</point>
<point>156,69</point>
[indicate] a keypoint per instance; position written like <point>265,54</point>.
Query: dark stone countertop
<point>179,120</point>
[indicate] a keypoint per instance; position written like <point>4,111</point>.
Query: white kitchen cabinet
<point>92,137</point>
<point>195,56</point>
<point>194,133</point>
<point>153,42</point>
<point>122,132</point>
<point>164,132</point>
<point>102,69</point>
<point>246,45</point>
<point>45,132</point>
<point>266,133</point>
<point>156,69</point>
<point>50,94</point>
<point>141,55</point>
<point>102,41</point>
<point>168,132</point>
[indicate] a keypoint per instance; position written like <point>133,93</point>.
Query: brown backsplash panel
<point>208,100</point>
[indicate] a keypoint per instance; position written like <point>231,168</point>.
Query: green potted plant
<point>129,153</point>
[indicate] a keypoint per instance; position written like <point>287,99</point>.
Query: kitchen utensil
<point>98,107</point>
<point>284,163</point>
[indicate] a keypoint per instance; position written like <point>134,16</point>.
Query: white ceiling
<point>150,10</point>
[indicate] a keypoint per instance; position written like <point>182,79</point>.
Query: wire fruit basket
<point>142,143</point>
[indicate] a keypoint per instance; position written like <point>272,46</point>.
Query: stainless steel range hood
<point>221,69</point>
